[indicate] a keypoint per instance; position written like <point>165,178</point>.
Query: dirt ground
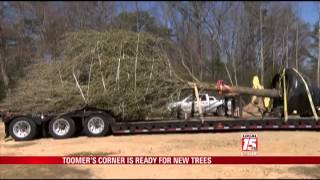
<point>206,144</point>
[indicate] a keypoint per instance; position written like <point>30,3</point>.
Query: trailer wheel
<point>96,125</point>
<point>23,129</point>
<point>62,127</point>
<point>221,110</point>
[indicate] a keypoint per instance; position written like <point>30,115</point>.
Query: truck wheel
<point>183,115</point>
<point>62,127</point>
<point>96,125</point>
<point>22,129</point>
<point>221,110</point>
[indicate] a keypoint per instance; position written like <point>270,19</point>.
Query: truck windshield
<point>189,99</point>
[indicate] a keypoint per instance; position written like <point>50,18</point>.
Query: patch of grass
<point>92,154</point>
<point>313,172</point>
<point>42,172</point>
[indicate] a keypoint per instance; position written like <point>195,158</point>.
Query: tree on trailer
<point>97,69</point>
<point>99,122</point>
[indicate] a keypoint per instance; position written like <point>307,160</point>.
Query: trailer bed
<point>169,125</point>
<point>216,124</point>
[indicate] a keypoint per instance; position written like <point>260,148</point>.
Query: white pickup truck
<point>209,104</point>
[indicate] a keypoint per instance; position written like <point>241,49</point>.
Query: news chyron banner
<point>165,160</point>
<point>249,155</point>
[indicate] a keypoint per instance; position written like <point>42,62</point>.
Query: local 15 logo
<point>249,142</point>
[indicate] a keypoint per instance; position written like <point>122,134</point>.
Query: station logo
<point>249,144</point>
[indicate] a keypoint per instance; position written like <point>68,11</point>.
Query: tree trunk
<point>4,75</point>
<point>318,68</point>
<point>261,50</point>
<point>297,47</point>
<point>240,90</point>
<point>287,48</point>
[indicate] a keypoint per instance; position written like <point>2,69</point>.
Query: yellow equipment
<point>256,85</point>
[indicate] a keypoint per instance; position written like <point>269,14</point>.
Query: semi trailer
<point>289,90</point>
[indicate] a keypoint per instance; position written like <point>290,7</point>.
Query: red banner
<point>160,160</point>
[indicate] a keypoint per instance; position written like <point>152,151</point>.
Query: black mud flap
<point>6,130</point>
<point>45,129</point>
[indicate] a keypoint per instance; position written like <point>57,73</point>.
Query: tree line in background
<point>214,40</point>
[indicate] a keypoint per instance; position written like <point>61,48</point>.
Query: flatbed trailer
<point>78,121</point>
<point>100,122</point>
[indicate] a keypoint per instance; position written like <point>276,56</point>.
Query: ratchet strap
<point>198,102</point>
<point>285,100</point>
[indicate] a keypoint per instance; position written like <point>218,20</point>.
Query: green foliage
<point>130,94</point>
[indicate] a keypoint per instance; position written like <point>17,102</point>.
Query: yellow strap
<point>309,96</point>
<point>285,103</point>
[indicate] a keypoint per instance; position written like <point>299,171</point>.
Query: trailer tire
<point>96,126</point>
<point>19,134</point>
<point>221,110</point>
<point>62,127</point>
